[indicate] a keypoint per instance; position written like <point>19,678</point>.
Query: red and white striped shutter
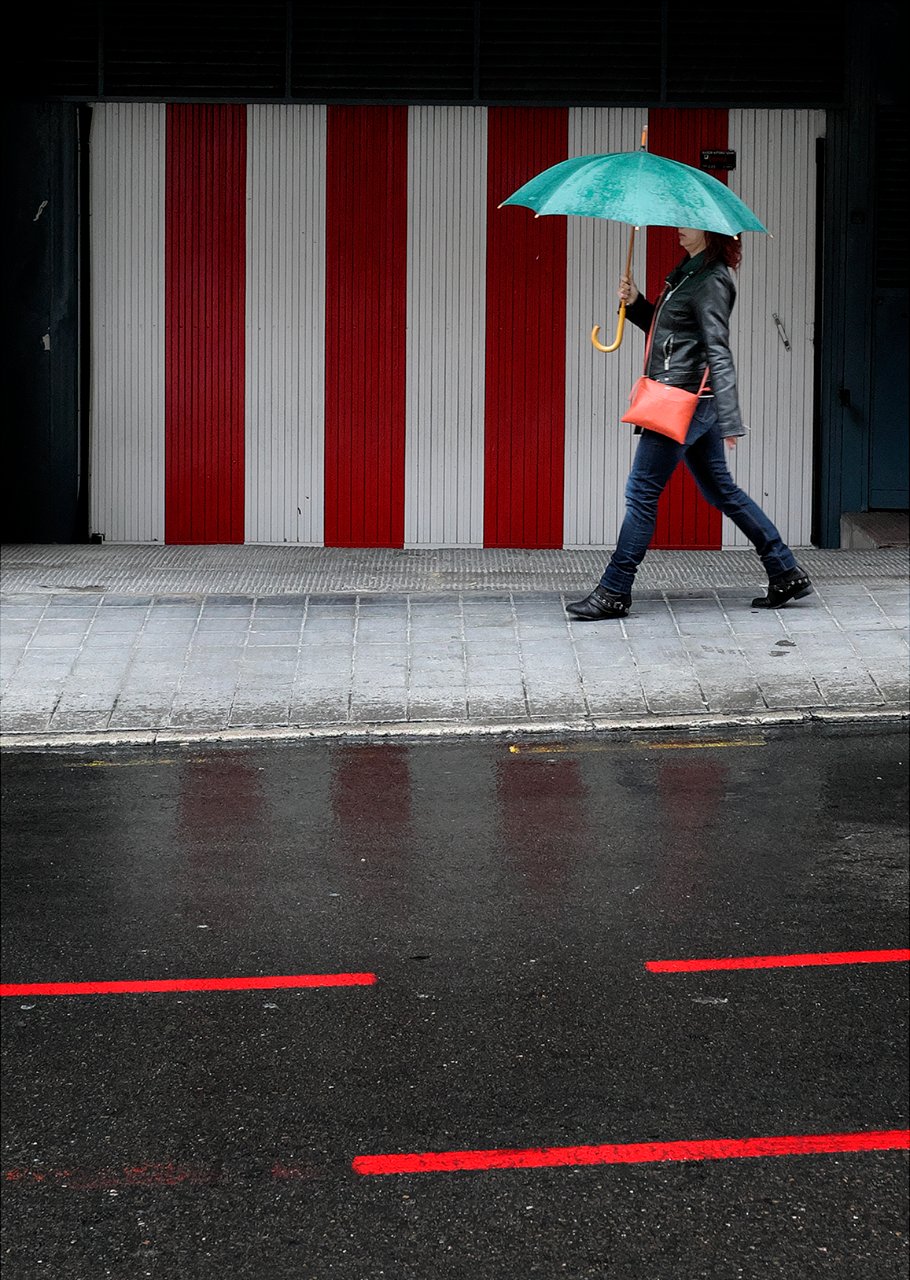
<point>315,325</point>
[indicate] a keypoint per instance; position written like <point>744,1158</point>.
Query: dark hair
<point>721,248</point>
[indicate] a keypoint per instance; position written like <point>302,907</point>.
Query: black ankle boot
<point>792,585</point>
<point>599,604</point>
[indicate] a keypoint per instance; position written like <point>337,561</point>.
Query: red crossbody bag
<point>657,407</point>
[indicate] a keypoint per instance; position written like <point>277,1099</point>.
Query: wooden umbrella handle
<point>621,322</point>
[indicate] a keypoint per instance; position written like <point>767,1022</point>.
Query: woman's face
<point>691,240</point>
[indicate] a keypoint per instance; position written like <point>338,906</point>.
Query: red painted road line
<point>635,1152</point>
<point>779,962</point>
<point>187,984</point>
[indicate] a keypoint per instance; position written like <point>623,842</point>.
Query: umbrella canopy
<point>638,188</point>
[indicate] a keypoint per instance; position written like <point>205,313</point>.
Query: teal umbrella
<point>640,189</point>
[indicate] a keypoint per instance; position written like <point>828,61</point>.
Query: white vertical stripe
<point>775,175</point>
<point>285,324</point>
<point>599,447</point>
<point>446,269</point>
<point>126,450</point>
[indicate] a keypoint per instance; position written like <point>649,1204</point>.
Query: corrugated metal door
<point>772,333</point>
<point>285,324</point>
<point>126,470</point>
<point>774,174</point>
<point>447,193</point>
<point>394,359</point>
<point>524,404</point>
<point>205,323</point>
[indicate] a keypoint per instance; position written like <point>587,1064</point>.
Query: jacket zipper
<point>668,293</point>
<point>668,343</point>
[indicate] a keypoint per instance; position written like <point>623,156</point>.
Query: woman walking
<point>691,323</point>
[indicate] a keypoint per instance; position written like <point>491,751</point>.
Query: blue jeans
<point>703,452</point>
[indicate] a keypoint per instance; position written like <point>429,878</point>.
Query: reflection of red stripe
<point>205,281</point>
<point>524,416</point>
<point>635,1152</point>
<point>187,984</point>
<point>365,322</point>
<point>543,807</point>
<point>371,794</point>
<point>779,962</point>
<point>684,519</point>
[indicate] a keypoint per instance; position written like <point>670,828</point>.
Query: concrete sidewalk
<point>114,643</point>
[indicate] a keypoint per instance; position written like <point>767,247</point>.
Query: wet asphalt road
<point>507,901</point>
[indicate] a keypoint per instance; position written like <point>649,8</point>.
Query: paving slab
<point>107,640</point>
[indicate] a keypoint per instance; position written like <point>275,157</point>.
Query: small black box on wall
<point>718,160</point>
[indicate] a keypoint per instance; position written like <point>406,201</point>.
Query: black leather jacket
<point>692,330</point>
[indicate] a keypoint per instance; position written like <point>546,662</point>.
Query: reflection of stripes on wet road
<point>286,982</point>
<point>635,1152</point>
<point>796,960</point>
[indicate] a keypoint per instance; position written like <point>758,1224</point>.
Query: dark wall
<point>862,311</point>
<point>39,325</point>
<point>657,52</point>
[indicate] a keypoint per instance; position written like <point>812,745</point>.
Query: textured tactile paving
<point>269,571</point>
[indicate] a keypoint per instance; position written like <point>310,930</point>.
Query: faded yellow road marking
<point>133,764</point>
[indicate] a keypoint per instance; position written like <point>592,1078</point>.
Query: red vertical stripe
<point>684,519</point>
<point>205,275</point>
<point>525,337</point>
<point>366,315</point>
